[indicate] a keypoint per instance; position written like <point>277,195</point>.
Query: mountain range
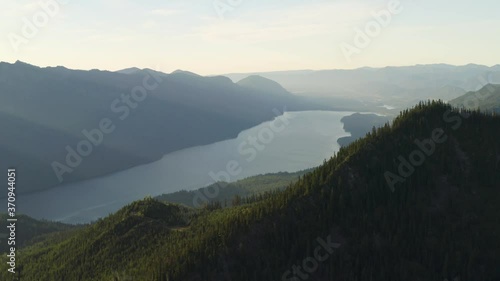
<point>400,87</point>
<point>69,125</point>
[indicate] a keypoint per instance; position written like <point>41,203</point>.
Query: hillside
<point>225,193</point>
<point>486,99</point>
<point>126,232</point>
<point>30,231</point>
<point>353,218</point>
<point>68,125</point>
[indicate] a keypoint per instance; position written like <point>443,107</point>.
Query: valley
<point>291,142</point>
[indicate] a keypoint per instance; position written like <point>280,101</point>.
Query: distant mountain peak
<point>221,79</point>
<point>180,71</point>
<point>258,82</point>
<point>130,70</point>
<point>22,63</point>
<point>474,65</point>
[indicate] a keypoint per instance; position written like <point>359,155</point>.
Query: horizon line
<point>259,72</point>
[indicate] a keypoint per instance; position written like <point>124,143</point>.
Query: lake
<point>289,143</point>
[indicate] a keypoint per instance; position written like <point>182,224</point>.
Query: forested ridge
<point>486,99</point>
<point>441,221</point>
<point>225,193</point>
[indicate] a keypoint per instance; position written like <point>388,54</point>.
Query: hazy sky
<point>255,35</point>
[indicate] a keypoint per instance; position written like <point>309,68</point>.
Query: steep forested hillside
<point>486,99</point>
<point>417,200</point>
<point>65,125</point>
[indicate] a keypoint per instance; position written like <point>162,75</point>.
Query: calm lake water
<point>293,142</point>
